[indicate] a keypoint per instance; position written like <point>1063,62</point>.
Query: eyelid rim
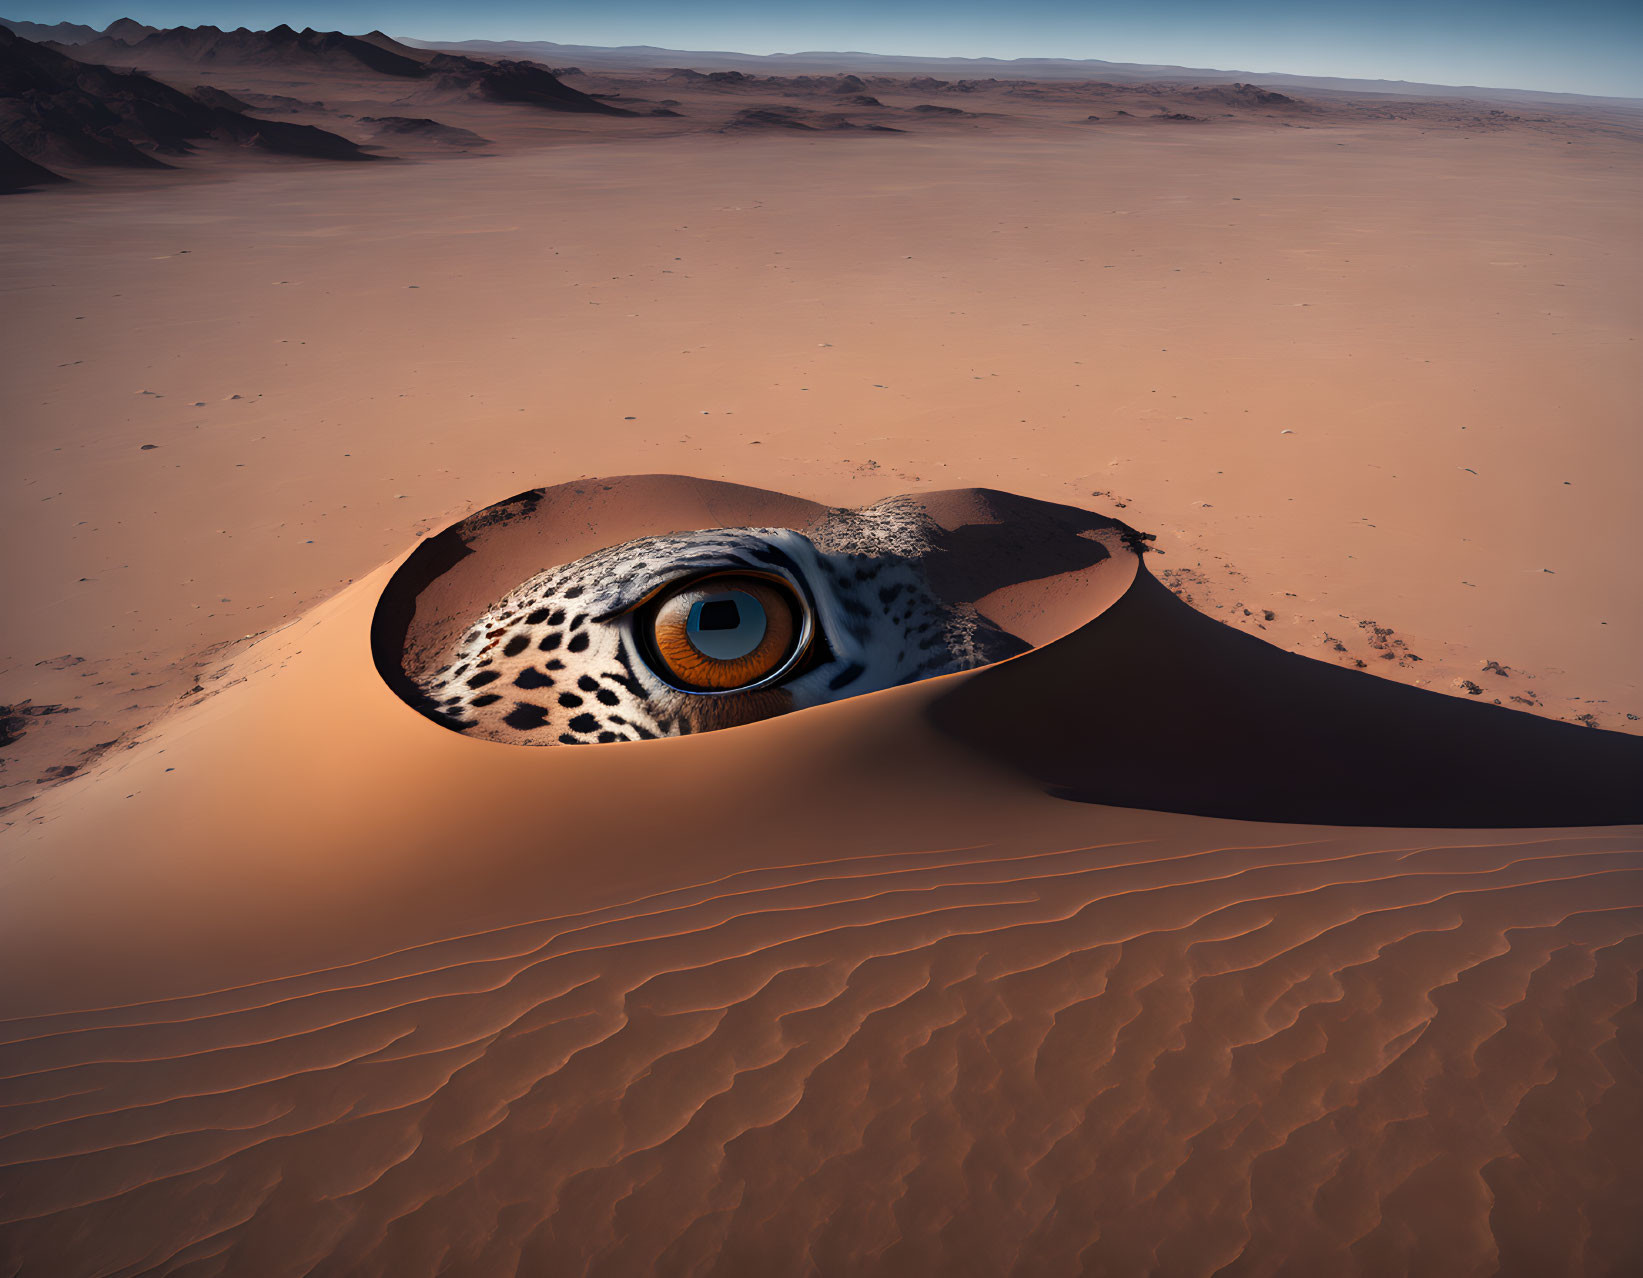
<point>801,645</point>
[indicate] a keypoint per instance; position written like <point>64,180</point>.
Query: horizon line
<point>954,57</point>
<point>1393,84</point>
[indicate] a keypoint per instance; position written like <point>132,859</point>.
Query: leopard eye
<point>725,633</point>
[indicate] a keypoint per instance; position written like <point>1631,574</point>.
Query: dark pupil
<point>726,626</point>
<point>719,614</point>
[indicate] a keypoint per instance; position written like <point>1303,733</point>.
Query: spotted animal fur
<point>557,661</point>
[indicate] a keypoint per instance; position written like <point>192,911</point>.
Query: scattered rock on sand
<point>768,118</point>
<point>797,119</point>
<point>419,127</point>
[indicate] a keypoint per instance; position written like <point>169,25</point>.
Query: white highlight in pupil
<point>726,625</point>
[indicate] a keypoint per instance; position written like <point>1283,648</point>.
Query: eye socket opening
<point>728,631</point>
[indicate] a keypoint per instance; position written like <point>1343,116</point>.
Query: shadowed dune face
<point>672,630</point>
<point>895,986</point>
<point>1198,717</point>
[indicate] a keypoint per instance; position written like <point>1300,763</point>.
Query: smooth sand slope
<point>1107,959</point>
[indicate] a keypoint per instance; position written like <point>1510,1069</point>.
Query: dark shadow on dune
<point>1153,705</point>
<point>1020,539</point>
<point>397,609</point>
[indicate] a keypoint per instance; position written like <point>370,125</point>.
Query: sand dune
<point>836,996</point>
<point>1197,717</point>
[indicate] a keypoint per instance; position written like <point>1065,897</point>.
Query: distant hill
<point>63,32</point>
<point>199,49</point>
<point>128,29</point>
<point>55,109</point>
<point>207,46</point>
<point>642,56</point>
<point>18,172</point>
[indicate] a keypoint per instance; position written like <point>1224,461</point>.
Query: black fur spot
<point>588,684</point>
<point>584,723</point>
<point>516,645</point>
<point>622,681</point>
<point>607,737</point>
<point>575,592</point>
<point>525,716</point>
<point>490,698</point>
<point>484,677</point>
<point>565,738</point>
<point>607,697</point>
<point>578,642</point>
<point>848,675</point>
<point>556,664</point>
<point>532,679</point>
<point>537,618</point>
<point>569,700</point>
<point>556,617</point>
<point>550,641</point>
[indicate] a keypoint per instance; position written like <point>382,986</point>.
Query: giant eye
<point>725,633</point>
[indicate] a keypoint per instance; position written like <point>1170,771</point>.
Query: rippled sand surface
<point>1190,1053</point>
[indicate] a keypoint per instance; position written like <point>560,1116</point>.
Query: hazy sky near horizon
<point>1573,46</point>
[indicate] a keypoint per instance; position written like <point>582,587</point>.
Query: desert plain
<point>299,982</point>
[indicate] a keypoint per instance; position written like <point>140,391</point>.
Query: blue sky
<point>1577,46</point>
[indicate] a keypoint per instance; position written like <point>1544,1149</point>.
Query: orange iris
<point>722,633</point>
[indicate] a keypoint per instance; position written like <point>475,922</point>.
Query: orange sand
<point>299,982</point>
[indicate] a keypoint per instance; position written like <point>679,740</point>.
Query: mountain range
<point>637,56</point>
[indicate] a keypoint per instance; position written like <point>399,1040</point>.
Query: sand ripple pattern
<point>1332,1056</point>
